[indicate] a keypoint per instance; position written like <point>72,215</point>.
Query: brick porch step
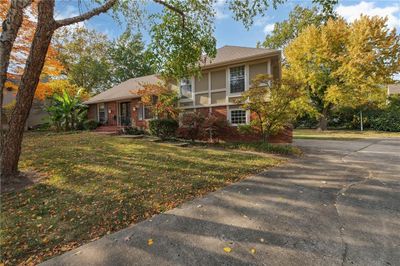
<point>108,129</point>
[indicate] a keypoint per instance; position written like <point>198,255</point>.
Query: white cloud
<point>219,9</point>
<point>260,21</point>
<point>268,28</point>
<point>67,12</point>
<point>353,12</point>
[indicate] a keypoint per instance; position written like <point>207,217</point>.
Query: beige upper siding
<point>218,80</point>
<point>218,97</point>
<point>394,89</point>
<point>212,88</point>
<point>201,83</point>
<point>201,99</point>
<point>257,69</point>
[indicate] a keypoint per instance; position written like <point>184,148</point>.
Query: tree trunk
<point>10,27</point>
<point>323,120</point>
<point>30,78</point>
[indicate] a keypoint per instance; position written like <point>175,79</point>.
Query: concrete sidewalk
<point>338,205</point>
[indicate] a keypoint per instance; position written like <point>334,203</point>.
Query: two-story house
<point>222,81</point>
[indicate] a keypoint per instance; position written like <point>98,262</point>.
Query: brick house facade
<point>221,82</point>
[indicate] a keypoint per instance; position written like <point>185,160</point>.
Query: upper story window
<point>186,88</point>
<point>237,79</point>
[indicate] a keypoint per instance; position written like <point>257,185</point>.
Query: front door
<point>125,114</point>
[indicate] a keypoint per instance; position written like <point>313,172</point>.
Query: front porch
<point>114,115</point>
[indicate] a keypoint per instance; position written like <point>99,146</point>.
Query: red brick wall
<point>286,136</point>
<point>219,111</point>
<point>135,105</point>
<point>92,112</point>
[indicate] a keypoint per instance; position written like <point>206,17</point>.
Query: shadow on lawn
<point>288,214</point>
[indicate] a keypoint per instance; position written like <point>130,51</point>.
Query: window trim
<point>105,112</point>
<point>230,79</point>
<point>247,112</point>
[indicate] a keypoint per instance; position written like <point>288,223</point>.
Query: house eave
<point>240,60</point>
<point>110,100</point>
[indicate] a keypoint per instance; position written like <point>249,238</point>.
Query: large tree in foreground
<point>181,34</point>
<point>341,64</point>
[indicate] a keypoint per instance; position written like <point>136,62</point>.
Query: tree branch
<point>87,15</point>
<point>171,7</point>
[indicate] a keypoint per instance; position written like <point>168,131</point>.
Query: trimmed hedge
<point>90,124</point>
<point>163,128</point>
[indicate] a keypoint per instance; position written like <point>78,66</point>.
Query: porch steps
<point>107,129</point>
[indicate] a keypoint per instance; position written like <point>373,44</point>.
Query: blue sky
<point>230,32</point>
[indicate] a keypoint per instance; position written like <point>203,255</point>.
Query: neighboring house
<point>393,89</point>
<point>222,81</point>
<point>37,114</point>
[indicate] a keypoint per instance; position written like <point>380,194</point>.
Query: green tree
<point>128,58</point>
<point>299,18</point>
<point>83,53</point>
<point>341,64</point>
<point>275,103</point>
<point>284,32</point>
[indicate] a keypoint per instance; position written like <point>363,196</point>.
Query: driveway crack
<point>342,192</point>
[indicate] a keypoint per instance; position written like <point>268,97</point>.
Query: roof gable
<point>124,90</point>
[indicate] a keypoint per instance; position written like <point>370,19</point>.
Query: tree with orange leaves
<point>20,52</point>
<point>163,99</point>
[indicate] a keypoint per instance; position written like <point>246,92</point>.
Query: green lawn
<point>99,184</point>
<point>341,134</point>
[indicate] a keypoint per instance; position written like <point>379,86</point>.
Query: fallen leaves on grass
<point>93,190</point>
<point>227,249</point>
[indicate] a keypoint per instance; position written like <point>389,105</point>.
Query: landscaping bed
<point>96,185</point>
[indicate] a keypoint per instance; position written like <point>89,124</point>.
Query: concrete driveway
<point>338,205</point>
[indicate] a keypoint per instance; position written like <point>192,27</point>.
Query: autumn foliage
<point>20,51</point>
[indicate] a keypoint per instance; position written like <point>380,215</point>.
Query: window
<point>140,112</point>
<point>145,112</point>
<point>148,112</point>
<point>238,117</point>
<point>237,79</point>
<point>186,88</point>
<point>102,113</point>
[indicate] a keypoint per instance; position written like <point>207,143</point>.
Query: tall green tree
<point>284,32</point>
<point>83,53</point>
<point>129,58</point>
<point>299,18</point>
<point>182,35</point>
<point>341,64</point>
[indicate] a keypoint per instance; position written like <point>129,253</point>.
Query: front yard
<point>98,184</point>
